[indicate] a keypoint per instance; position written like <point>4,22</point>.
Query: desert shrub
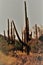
<point>34,48</point>
<point>18,45</point>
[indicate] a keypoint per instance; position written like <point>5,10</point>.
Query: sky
<point>14,9</point>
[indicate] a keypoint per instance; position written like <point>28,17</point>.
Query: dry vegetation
<point>20,58</point>
<point>17,57</point>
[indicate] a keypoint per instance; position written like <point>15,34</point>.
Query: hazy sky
<point>14,9</point>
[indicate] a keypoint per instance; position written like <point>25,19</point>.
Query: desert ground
<point>19,58</point>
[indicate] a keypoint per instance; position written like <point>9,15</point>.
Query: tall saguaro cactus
<point>27,23</point>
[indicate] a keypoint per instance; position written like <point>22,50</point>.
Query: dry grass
<point>21,59</point>
<point>17,57</point>
<point>7,60</point>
